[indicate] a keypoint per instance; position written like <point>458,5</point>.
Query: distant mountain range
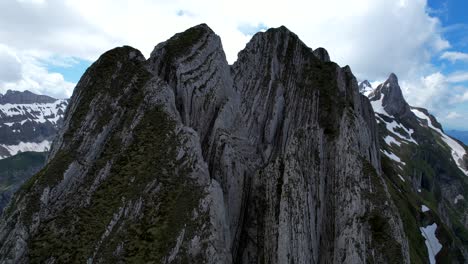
<point>28,122</point>
<point>460,135</point>
<point>28,125</point>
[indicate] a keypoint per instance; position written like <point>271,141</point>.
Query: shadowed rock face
<point>393,101</point>
<point>322,54</point>
<point>184,158</point>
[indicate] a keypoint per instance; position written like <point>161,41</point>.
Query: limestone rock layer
<point>183,158</point>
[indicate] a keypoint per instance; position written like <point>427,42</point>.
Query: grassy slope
<point>17,169</point>
<point>425,165</point>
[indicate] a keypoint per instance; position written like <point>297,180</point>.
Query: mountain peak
<point>181,43</point>
<point>182,48</point>
<point>365,87</point>
<point>322,54</point>
<point>279,34</point>
<point>392,98</point>
<point>281,28</point>
<point>391,86</point>
<point>392,78</point>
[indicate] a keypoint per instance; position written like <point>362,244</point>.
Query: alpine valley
<point>277,158</point>
<point>28,124</point>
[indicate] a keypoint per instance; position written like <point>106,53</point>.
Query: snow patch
<point>27,146</point>
<point>458,151</point>
<point>389,140</point>
<point>36,112</point>
<point>394,125</point>
<point>401,178</point>
<point>458,198</point>
<point>393,157</point>
<point>432,243</point>
<point>378,106</point>
<point>424,208</point>
<point>366,89</point>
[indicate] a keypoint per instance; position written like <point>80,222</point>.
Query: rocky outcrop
<point>392,98</point>
<point>365,87</point>
<point>322,54</point>
<point>183,158</point>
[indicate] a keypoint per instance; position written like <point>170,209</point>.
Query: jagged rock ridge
<point>25,97</point>
<point>184,158</point>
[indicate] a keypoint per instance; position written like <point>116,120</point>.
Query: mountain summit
<point>390,97</point>
<point>183,158</point>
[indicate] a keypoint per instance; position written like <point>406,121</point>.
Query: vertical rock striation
<point>185,158</point>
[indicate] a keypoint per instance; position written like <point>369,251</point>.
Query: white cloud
<point>458,77</point>
<point>33,76</point>
<point>374,37</point>
<point>454,56</point>
<point>10,66</point>
<point>371,36</point>
<point>453,115</point>
<point>441,96</point>
<point>431,91</point>
<point>462,97</point>
<point>50,26</point>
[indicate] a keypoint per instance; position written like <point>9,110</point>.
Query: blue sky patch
<point>452,15</point>
<point>71,71</point>
<point>249,30</point>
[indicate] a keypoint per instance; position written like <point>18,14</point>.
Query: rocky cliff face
<point>28,122</point>
<point>426,172</point>
<point>183,158</point>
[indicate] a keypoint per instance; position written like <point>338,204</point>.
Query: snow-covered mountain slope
<point>459,134</point>
<point>365,87</point>
<point>457,149</point>
<point>28,122</point>
<point>427,173</point>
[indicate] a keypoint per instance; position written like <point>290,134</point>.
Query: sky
<point>46,45</point>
